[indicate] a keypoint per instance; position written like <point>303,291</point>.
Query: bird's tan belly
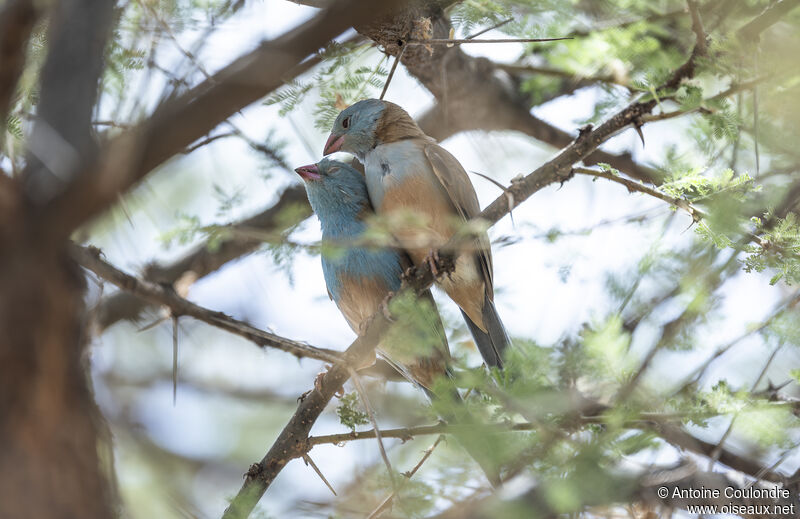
<point>359,300</point>
<point>422,219</point>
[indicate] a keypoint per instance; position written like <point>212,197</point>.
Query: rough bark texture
<point>49,424</point>
<point>49,462</point>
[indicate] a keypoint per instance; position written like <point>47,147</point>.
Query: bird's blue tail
<point>493,342</point>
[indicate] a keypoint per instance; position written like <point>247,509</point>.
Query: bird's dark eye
<point>346,123</point>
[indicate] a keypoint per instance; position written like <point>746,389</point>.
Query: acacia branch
<point>457,41</point>
<point>701,44</point>
<point>407,433</point>
<point>159,294</point>
<point>208,140</point>
<point>633,186</point>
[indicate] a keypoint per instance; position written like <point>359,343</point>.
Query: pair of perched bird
<point>406,173</point>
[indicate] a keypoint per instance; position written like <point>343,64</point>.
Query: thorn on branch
<point>308,461</point>
<point>568,177</point>
<point>637,125</point>
<point>506,191</point>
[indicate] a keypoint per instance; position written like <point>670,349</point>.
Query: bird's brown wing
<point>462,194</point>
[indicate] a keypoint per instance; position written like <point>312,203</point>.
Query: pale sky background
<point>544,291</point>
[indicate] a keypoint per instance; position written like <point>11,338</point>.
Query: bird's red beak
<point>310,172</point>
<point>334,144</point>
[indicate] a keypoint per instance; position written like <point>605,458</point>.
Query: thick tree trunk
<point>49,465</point>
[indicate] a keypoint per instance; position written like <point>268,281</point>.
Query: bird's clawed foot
<point>433,261</point>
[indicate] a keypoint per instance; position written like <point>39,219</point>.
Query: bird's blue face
<point>354,128</point>
<point>327,173</point>
<point>331,185</point>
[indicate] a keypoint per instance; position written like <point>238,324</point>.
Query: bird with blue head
<point>359,278</point>
<point>410,176</point>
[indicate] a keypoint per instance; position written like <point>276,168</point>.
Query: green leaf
<point>348,412</point>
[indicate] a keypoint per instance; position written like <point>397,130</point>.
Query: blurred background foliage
<point>611,296</point>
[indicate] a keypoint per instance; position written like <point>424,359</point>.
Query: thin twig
<point>447,41</point>
<point>112,124</point>
<point>354,376</point>
<point>391,72</point>
<point>156,293</point>
<point>493,27</point>
<point>174,359</point>
<point>207,140</point>
<point>733,89</point>
<point>756,49</point>
<point>783,457</point>
<point>718,449</point>
<point>632,185</point>
<point>406,433</point>
<point>388,501</point>
<point>695,376</point>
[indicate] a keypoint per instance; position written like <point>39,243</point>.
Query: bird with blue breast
<point>428,196</point>
<point>360,277</point>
